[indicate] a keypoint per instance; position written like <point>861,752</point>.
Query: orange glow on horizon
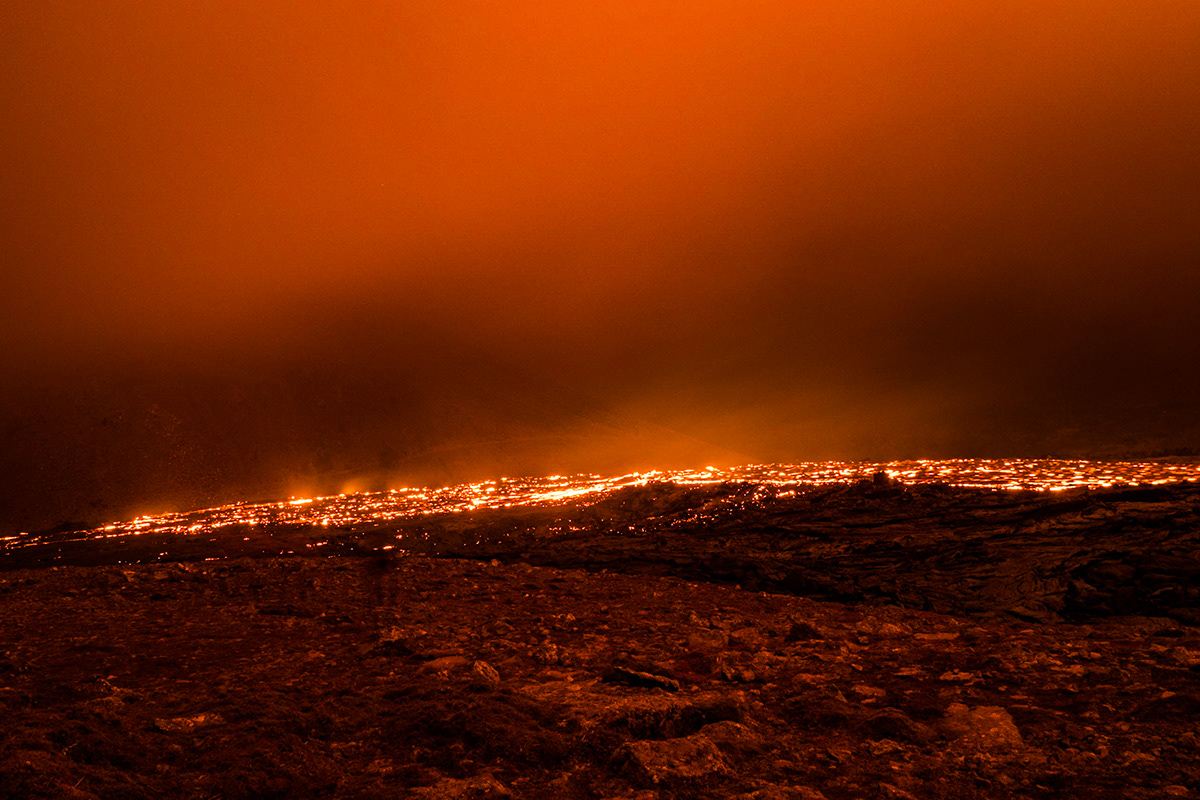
<point>267,249</point>
<point>347,510</point>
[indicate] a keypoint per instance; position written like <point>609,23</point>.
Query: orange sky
<point>662,204</point>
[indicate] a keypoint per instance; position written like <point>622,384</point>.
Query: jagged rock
<point>392,641</point>
<point>500,627</point>
<point>188,724</point>
<point>1185,657</point>
<point>822,707</point>
<point>546,654</point>
<point>447,664</point>
<point>688,758</point>
<point>485,673</point>
<point>747,639</point>
<point>776,792</point>
<point>483,787</point>
<point>985,729</point>
<point>891,723</point>
<point>733,738</point>
<point>707,641</point>
<point>883,747</point>
<point>802,631</point>
<point>729,670</point>
<point>632,677</point>
<point>669,716</point>
<point>764,664</point>
<point>867,692</point>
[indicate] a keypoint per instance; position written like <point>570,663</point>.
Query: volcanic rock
<point>671,761</point>
<point>984,729</point>
<point>902,675</point>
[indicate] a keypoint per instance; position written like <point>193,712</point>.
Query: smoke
<point>301,246</point>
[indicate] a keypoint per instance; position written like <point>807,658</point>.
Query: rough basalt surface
<point>628,662</point>
<point>459,679</point>
<point>1047,557</point>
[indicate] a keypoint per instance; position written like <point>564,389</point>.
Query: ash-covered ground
<point>857,641</point>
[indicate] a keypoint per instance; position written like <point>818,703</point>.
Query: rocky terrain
<point>1040,556</point>
<point>870,641</point>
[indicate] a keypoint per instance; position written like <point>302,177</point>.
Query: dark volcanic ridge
<point>1040,556</point>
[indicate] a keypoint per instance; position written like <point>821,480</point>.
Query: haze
<point>271,248</point>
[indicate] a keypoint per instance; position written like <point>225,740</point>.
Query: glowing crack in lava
<point>365,508</point>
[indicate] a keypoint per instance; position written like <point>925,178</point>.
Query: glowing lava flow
<point>374,507</point>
